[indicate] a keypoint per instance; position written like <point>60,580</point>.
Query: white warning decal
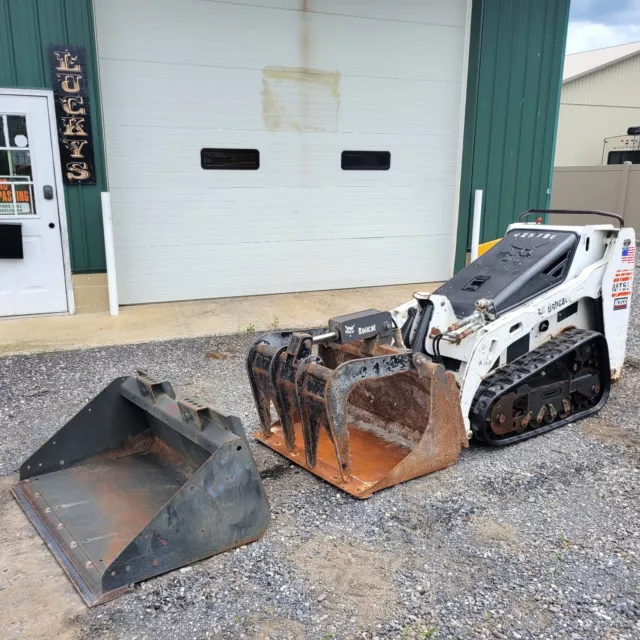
<point>621,288</point>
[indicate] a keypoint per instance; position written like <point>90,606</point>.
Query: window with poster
<point>16,177</point>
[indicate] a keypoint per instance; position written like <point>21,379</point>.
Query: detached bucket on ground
<point>363,416</point>
<point>139,483</point>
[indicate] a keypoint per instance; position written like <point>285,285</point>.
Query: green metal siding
<point>513,92</point>
<point>27,27</point>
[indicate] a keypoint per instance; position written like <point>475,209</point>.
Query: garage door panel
<point>250,37</point>
<point>308,266</point>
<point>446,12</point>
<point>197,203</point>
<point>184,175</point>
<point>382,52</point>
<point>144,95</point>
<point>146,158</point>
<point>297,231</point>
<point>320,221</point>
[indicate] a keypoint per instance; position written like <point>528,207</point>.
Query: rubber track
<point>516,373</point>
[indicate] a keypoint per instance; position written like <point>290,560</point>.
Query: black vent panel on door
<point>366,160</point>
<point>230,159</point>
<point>11,242</point>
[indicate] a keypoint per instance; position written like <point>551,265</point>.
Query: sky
<point>594,24</point>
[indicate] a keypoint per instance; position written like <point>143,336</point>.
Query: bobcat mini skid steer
<point>525,339</point>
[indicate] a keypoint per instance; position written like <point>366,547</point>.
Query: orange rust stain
<point>129,512</point>
<point>372,457</point>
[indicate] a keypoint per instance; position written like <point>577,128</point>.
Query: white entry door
<point>35,282</point>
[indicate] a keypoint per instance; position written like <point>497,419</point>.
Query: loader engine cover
<point>139,483</point>
<point>523,265</point>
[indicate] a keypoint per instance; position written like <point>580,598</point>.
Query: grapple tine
<point>283,380</point>
<point>260,384</point>
<point>311,380</point>
<point>338,389</point>
<point>271,365</point>
<point>259,361</point>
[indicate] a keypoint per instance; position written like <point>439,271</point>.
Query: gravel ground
<point>539,540</point>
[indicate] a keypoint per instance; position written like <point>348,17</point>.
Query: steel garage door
<point>300,86</point>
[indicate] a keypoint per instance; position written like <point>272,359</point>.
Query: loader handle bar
<point>607,214</point>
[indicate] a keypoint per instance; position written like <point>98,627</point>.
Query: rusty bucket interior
<point>139,483</point>
<point>361,416</point>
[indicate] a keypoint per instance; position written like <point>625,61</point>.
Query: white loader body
<point>599,281</point>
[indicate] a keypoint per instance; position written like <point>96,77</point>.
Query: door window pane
<point>17,130</point>
<point>366,160</point>
<point>5,167</point>
<point>242,159</point>
<point>15,164</point>
<point>21,161</point>
<point>16,199</point>
<point>24,199</point>
<point>7,205</point>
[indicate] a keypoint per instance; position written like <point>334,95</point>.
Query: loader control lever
<point>357,326</point>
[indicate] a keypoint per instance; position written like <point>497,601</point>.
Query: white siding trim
<point>463,110</point>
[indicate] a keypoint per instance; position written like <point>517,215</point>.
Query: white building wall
<point>597,106</point>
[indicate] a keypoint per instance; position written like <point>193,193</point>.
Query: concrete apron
<point>166,321</point>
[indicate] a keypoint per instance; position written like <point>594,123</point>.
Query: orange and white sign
<point>22,203</point>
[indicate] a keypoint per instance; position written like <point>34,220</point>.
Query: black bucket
<point>138,483</point>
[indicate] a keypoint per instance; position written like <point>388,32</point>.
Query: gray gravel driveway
<point>539,540</point>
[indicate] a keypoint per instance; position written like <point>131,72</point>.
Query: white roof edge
<point>597,59</point>
<point>602,66</point>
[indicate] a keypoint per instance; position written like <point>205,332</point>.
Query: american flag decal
<point>629,254</point>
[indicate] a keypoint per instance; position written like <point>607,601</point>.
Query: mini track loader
<point>139,483</point>
<point>525,339</point>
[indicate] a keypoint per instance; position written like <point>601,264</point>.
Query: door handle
<point>47,191</point>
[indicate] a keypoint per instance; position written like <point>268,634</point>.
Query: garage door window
<point>242,159</point>
<point>366,160</point>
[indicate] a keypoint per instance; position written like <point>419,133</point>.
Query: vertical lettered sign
<point>73,115</point>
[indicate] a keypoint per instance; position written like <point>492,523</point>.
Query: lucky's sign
<point>73,114</point>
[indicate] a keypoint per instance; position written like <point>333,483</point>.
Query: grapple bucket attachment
<point>139,483</point>
<point>363,416</point>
